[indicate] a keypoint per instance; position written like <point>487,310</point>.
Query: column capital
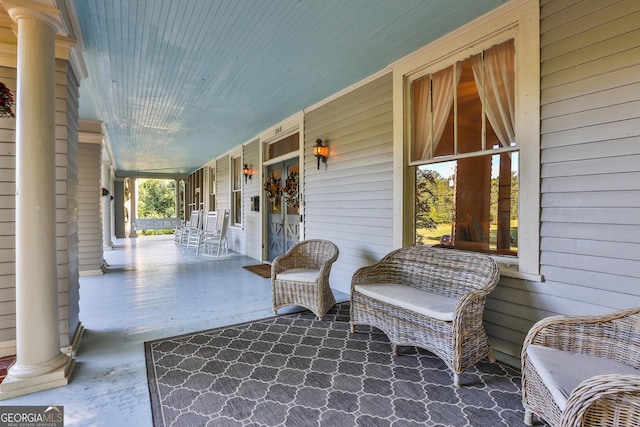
<point>91,131</point>
<point>64,21</point>
<point>44,11</point>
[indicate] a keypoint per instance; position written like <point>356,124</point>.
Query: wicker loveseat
<point>430,298</point>
<point>301,276</point>
<point>583,370</point>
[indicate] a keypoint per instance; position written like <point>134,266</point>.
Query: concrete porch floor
<point>152,289</point>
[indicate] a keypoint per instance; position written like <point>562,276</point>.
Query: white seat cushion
<point>562,371</point>
<point>299,275</point>
<point>426,303</point>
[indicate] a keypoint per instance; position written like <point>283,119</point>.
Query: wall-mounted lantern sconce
<point>320,151</point>
<point>247,172</point>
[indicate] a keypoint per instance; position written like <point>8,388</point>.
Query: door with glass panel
<point>283,203</point>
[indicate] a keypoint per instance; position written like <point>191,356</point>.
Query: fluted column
<point>40,365</point>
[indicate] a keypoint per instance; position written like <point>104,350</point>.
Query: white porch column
<point>106,206</point>
<point>134,208</point>
<point>40,365</point>
<point>176,200</point>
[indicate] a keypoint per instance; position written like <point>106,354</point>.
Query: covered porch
<point>147,293</point>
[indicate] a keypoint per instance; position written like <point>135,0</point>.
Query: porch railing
<point>156,223</point>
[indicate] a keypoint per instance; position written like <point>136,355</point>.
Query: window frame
<point>235,172</point>
<point>517,20</point>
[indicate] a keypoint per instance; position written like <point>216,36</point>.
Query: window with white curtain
<point>236,191</point>
<point>465,150</point>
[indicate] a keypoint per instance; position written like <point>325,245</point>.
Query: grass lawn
<point>432,237</point>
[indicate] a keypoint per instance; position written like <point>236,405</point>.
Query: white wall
<point>251,241</point>
<point>349,200</point>
<point>590,151</point>
<point>66,93</point>
<point>7,224</point>
<point>590,231</point>
<point>89,209</point>
<point>67,213</point>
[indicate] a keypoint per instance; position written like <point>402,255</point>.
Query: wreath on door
<point>272,189</point>
<point>290,190</point>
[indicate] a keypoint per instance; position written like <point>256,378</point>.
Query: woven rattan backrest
<point>313,253</point>
<point>443,271</point>
<point>616,337</point>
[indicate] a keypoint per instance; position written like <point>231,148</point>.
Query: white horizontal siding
<point>349,200</point>
<point>89,208</point>
<point>66,127</point>
<point>590,170</point>
<point>223,183</point>
<point>72,322</point>
<point>247,239</point>
<point>67,204</point>
<point>590,230</point>
<point>7,218</point>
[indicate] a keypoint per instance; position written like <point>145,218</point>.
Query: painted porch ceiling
<point>178,83</point>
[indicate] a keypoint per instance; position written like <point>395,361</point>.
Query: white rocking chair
<point>213,240</point>
<point>191,233</point>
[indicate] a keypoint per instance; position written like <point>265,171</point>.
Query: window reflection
<point>470,204</point>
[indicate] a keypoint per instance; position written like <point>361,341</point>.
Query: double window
<point>465,148</point>
<point>236,191</point>
<point>468,149</point>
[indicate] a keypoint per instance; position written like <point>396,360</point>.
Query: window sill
<point>509,268</point>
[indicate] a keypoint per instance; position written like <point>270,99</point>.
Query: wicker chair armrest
<point>470,306</point>
<point>472,295</point>
<point>470,299</point>
<point>577,333</point>
<point>281,263</point>
<point>609,399</point>
<point>375,273</point>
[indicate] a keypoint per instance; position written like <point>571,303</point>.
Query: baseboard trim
<point>72,349</point>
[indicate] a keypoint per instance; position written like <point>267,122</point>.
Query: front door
<point>283,206</point>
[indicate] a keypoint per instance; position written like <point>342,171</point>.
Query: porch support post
<point>176,200</point>
<point>40,364</point>
<point>134,208</point>
<point>107,244</point>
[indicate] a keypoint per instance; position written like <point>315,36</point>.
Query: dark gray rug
<point>294,370</point>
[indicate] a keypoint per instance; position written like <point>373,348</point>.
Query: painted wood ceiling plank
<point>177,82</point>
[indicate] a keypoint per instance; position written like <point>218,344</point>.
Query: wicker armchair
<point>452,284</point>
<point>301,277</point>
<point>591,377</point>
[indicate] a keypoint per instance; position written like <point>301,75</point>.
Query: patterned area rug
<point>294,370</point>
<point>262,270</point>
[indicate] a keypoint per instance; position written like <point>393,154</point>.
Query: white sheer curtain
<point>431,109</point>
<point>421,118</point>
<point>499,91</point>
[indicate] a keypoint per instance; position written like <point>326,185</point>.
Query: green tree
<point>156,199</point>
<point>426,194</point>
<point>515,194</point>
<point>442,211</point>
